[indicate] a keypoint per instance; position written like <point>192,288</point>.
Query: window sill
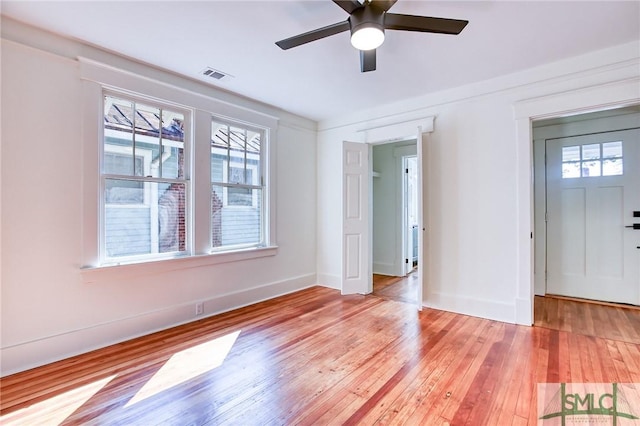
<point>92,274</point>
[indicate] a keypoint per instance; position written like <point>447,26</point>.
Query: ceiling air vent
<point>215,74</point>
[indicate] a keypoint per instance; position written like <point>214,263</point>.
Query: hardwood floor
<point>400,289</point>
<point>316,357</point>
<point>588,318</point>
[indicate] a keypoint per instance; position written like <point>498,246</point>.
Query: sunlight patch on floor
<point>186,365</point>
<point>54,410</point>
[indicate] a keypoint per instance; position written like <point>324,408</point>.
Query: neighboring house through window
<point>147,182</point>
<point>144,211</point>
<point>237,185</point>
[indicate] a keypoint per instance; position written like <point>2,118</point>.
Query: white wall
<point>478,181</point>
<point>49,311</point>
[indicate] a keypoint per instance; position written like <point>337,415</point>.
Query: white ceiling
<point>322,79</point>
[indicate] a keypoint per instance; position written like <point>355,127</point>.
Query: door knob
<point>634,226</point>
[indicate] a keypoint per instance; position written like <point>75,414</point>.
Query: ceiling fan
<point>367,22</point>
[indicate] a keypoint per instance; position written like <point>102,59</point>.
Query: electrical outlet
<point>199,308</point>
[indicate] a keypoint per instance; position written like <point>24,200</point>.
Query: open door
<point>356,259</point>
<point>410,212</point>
<point>421,223</point>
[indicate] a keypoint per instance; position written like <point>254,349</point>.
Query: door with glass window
<point>593,190</point>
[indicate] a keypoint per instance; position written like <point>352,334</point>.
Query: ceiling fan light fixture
<point>367,37</point>
<point>367,28</point>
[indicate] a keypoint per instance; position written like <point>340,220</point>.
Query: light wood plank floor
<point>316,357</point>
<point>589,318</point>
<point>400,289</point>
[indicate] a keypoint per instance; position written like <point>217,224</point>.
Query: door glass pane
<point>590,168</point>
<point>591,152</point>
<point>571,170</point>
<point>612,159</point>
<point>612,150</point>
<point>570,153</point>
<point>612,167</point>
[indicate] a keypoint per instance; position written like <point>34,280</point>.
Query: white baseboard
<point>43,351</point>
<point>387,269</point>
<point>482,308</point>
<point>330,281</point>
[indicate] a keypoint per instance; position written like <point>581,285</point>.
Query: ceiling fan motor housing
<point>366,17</point>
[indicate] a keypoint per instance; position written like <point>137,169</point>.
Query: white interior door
<point>593,189</point>
<point>422,247</point>
<point>410,211</point>
<point>356,259</point>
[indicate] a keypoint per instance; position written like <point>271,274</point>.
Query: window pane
<point>236,171</point>
<point>254,146</point>
<point>612,150</point>
<point>220,142</point>
<point>591,152</point>
<point>124,192</point>
<point>147,122</point>
<point>118,137</point>
<point>612,167</point>
<point>571,170</point>
<point>172,145</point>
<point>570,153</point>
<point>153,227</point>
<point>590,168</point>
<point>236,225</point>
<point>236,211</point>
<point>171,217</point>
<point>237,148</point>
<point>239,197</point>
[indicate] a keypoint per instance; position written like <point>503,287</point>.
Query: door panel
<point>356,276</point>
<point>610,211</point>
<point>593,187</point>
<point>354,263</point>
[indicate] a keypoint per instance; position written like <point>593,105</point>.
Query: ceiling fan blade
<point>313,35</point>
<point>383,5</point>
<point>426,24</point>
<point>367,60</point>
<point>348,5</point>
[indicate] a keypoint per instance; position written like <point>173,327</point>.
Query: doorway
<point>395,220</point>
<point>410,212</point>
<point>586,192</point>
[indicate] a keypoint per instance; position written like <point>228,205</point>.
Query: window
<point>237,191</point>
<point>592,160</point>
<point>167,185</point>
<point>144,203</point>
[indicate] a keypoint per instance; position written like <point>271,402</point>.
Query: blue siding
<point>127,231</point>
<point>240,226</point>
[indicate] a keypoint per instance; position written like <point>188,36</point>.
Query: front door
<point>593,190</point>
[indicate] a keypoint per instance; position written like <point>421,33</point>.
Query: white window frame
<point>98,77</point>
<point>147,180</point>
<point>262,184</point>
